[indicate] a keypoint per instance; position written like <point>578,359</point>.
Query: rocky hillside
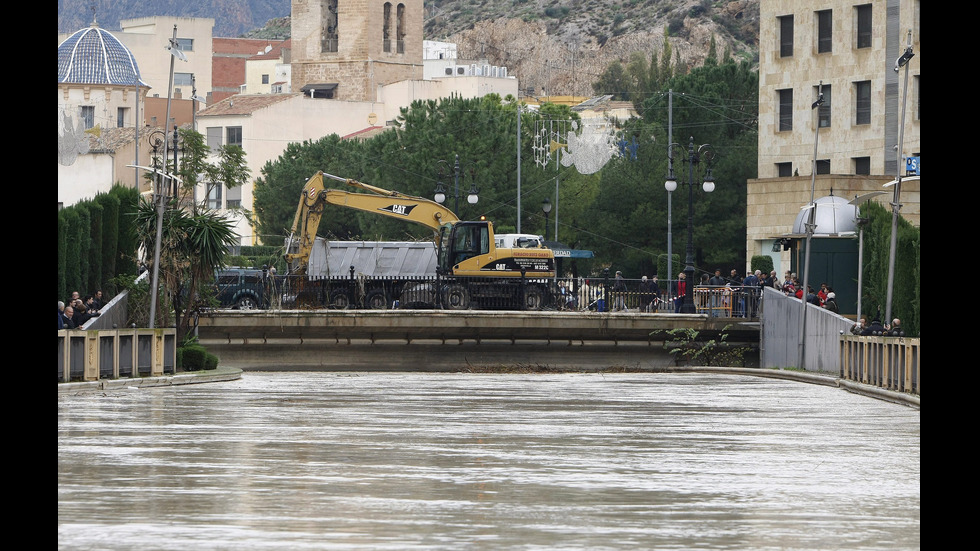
<point>560,46</point>
<point>564,47</point>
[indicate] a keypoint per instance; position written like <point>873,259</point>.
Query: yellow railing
<point>891,363</point>
<point>714,301</point>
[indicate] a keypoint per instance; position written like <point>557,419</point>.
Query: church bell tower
<point>345,49</point>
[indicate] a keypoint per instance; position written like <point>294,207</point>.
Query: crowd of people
<point>746,290</point>
<point>74,312</point>
<point>877,329</point>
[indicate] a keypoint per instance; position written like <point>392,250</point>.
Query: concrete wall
<point>779,341</point>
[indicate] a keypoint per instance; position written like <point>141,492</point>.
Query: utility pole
<point>902,61</point>
<point>810,226</point>
<point>518,164</point>
<point>670,170</point>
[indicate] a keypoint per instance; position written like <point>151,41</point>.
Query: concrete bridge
<point>442,340</point>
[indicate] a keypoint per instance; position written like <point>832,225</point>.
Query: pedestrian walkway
<point>184,378</point>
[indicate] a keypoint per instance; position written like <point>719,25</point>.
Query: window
<point>862,165</point>
<point>185,44</point>
<point>121,114</point>
<point>386,29</point>
<point>400,37</point>
<point>825,31</point>
<point>915,94</point>
<point>328,33</point>
<point>265,79</point>
<point>183,79</point>
<point>785,36</point>
<point>86,114</point>
<point>785,110</point>
<point>214,137</point>
<point>784,170</point>
<point>863,16</point>
<point>823,112</point>
<point>214,196</point>
<point>918,21</point>
<point>228,278</point>
<point>823,166</point>
<point>234,134</point>
<point>862,102</point>
<point>233,198</point>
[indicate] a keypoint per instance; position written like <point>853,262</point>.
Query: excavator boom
<point>379,201</point>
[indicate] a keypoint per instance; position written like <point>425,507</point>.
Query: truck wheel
<point>533,298</point>
<point>339,300</point>
<point>456,297</point>
<point>376,300</point>
<point>305,300</point>
<point>246,302</point>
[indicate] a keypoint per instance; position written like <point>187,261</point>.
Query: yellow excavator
<point>472,270</point>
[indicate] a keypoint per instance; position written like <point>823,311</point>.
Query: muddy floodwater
<point>454,461</point>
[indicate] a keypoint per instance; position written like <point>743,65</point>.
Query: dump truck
<point>474,267</point>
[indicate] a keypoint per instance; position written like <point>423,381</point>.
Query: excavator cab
<point>460,242</point>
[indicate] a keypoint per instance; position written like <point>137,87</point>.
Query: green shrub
<point>762,262</point>
<point>192,357</point>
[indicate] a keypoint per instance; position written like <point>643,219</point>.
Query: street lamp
<point>156,139</point>
<point>546,207</point>
<point>693,157</point>
<point>440,191</point>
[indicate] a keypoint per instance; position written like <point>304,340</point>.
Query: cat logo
<point>500,267</point>
<point>402,210</point>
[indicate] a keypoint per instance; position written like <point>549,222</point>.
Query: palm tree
<point>192,248</point>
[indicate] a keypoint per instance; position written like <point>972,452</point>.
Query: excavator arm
<point>379,201</point>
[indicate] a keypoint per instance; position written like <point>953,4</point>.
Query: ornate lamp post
<point>694,156</point>
<point>454,171</point>
<point>156,139</point>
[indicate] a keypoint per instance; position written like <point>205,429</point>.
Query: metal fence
<point>495,293</point>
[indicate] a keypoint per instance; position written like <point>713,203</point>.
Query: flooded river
<point>451,461</point>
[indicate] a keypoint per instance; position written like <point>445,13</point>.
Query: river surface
<point>452,461</point>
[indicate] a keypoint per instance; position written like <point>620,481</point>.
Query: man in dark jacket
<point>875,329</point>
<point>831,303</point>
<point>750,293</point>
<point>67,316</point>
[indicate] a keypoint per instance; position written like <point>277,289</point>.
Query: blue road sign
<point>912,166</point>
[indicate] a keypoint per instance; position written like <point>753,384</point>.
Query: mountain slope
<point>560,46</point>
<point>231,17</point>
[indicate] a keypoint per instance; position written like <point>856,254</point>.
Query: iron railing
<point>355,291</point>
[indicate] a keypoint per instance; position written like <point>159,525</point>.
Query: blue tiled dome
<point>94,56</point>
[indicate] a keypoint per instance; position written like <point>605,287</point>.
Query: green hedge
<point>97,242</point>
<point>194,357</point>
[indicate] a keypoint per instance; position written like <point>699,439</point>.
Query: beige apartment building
<point>847,50</point>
